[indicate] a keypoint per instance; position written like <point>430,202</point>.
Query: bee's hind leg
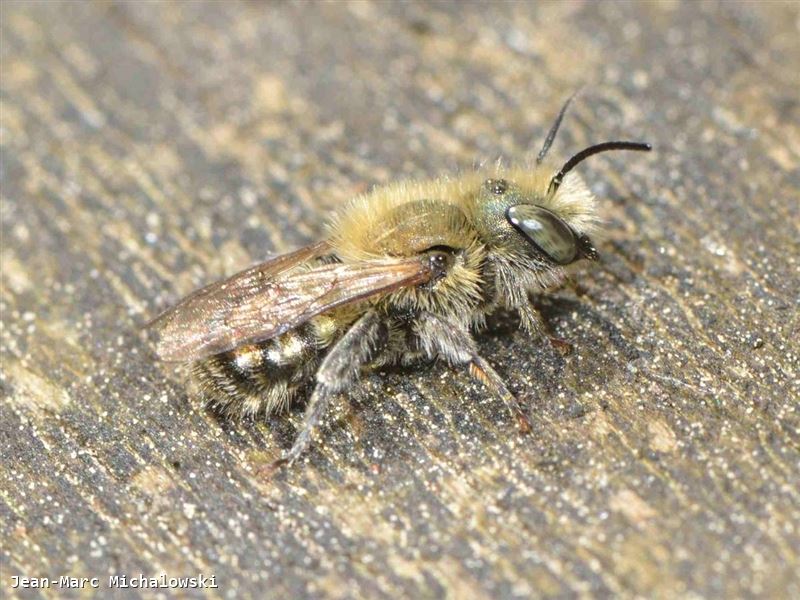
<point>439,336</point>
<point>338,371</point>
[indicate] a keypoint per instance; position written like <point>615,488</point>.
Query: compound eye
<point>545,231</point>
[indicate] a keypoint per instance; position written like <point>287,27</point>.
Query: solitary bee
<point>407,272</point>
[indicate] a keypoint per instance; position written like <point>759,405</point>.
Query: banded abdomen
<point>265,376</point>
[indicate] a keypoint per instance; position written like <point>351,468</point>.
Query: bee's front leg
<point>483,372</point>
<point>532,322</point>
<point>338,371</point>
<point>439,336</point>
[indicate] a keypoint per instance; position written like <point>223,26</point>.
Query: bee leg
<point>453,342</point>
<point>533,322</point>
<point>338,372</point>
<point>483,372</point>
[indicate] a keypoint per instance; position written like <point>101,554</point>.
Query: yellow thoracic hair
<point>361,228</point>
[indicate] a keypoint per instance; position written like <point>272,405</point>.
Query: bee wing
<point>272,298</point>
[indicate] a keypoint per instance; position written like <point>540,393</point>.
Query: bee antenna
<point>591,150</point>
<point>551,135</point>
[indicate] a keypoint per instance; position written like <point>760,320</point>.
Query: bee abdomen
<point>259,378</point>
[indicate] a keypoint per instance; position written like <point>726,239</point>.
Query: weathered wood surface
<point>149,148</point>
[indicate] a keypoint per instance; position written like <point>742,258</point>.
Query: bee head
<point>522,217</point>
<point>532,208</point>
<point>535,212</point>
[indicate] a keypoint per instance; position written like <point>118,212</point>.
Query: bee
<point>407,273</point>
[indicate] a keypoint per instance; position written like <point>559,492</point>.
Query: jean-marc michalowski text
<point>161,581</point>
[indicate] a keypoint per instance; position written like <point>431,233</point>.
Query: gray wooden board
<point>148,148</point>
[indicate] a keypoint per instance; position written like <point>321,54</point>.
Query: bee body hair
<point>408,271</point>
<point>264,377</point>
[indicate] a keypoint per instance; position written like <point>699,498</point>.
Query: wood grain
<point>149,148</point>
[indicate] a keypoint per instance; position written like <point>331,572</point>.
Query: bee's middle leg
<point>438,336</point>
<point>338,371</point>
